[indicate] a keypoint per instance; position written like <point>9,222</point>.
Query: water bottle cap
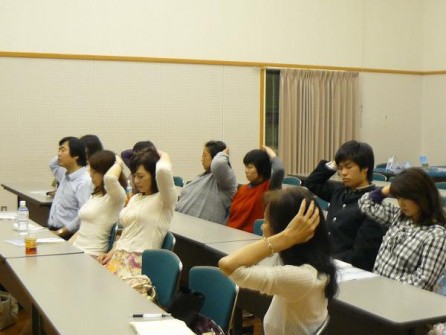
<point>22,202</point>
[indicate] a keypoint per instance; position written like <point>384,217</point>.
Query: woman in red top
<point>264,171</point>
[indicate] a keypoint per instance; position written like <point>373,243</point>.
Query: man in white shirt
<point>74,186</point>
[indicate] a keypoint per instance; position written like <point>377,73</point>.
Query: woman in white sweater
<point>305,279</point>
<point>146,218</point>
<point>101,211</point>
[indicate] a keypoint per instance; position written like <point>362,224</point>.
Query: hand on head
<point>120,162</point>
<point>269,151</point>
<point>386,190</point>
<point>302,227</point>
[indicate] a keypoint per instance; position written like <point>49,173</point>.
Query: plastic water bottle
<point>440,287</point>
<point>22,216</point>
<point>129,191</point>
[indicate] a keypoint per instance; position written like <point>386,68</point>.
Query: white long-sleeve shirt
<point>98,215</point>
<point>299,305</point>
<point>146,218</point>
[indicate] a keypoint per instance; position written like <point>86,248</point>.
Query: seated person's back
<point>209,195</point>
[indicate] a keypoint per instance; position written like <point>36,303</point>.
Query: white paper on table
<point>20,242</point>
<point>40,192</point>
<point>161,327</point>
<point>32,228</point>
<point>8,215</point>
<point>50,240</point>
<point>346,272</point>
<point>341,264</point>
<point>353,273</point>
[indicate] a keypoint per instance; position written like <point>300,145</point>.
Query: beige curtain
<point>318,111</point>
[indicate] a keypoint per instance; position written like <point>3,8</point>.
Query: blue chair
<point>379,176</point>
<point>220,293</point>
<point>112,237</point>
<point>441,185</point>
<point>178,181</point>
<point>323,204</point>
<point>381,165</point>
<point>163,267</point>
<point>291,180</point>
<point>169,241</point>
<point>257,227</point>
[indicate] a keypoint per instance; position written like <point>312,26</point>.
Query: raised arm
<point>371,205</point>
<point>111,181</point>
<point>57,170</point>
<point>277,170</point>
<point>299,230</point>
<point>318,181</point>
<point>164,179</point>
<point>223,172</point>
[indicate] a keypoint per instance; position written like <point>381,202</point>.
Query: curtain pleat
<point>318,111</point>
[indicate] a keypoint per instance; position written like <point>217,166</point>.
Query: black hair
<point>77,149</point>
<point>215,147</point>
<point>92,144</point>
<point>281,207</point>
<point>358,152</point>
<point>414,184</point>
<point>142,145</point>
<point>102,161</point>
<point>260,159</point>
<point>148,158</point>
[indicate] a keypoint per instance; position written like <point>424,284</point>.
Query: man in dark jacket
<point>354,238</point>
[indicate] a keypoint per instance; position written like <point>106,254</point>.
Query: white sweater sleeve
<point>289,281</point>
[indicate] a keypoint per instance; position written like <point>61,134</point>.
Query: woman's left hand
<point>302,226</point>
<point>269,151</point>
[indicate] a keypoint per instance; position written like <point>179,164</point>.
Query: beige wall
<point>368,33</point>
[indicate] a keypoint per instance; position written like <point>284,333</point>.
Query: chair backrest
<point>291,180</point>
<point>391,178</point>
<point>178,181</point>
<point>441,185</point>
<point>323,327</point>
<point>169,241</point>
<point>163,268</point>
<point>379,176</point>
<point>257,227</point>
<point>112,238</point>
<point>323,204</point>
<point>220,293</point>
<point>381,165</point>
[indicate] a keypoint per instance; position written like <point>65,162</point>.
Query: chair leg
<point>237,322</point>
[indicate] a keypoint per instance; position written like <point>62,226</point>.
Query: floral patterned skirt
<point>127,265</point>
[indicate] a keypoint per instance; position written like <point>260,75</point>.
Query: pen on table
<point>151,315</point>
